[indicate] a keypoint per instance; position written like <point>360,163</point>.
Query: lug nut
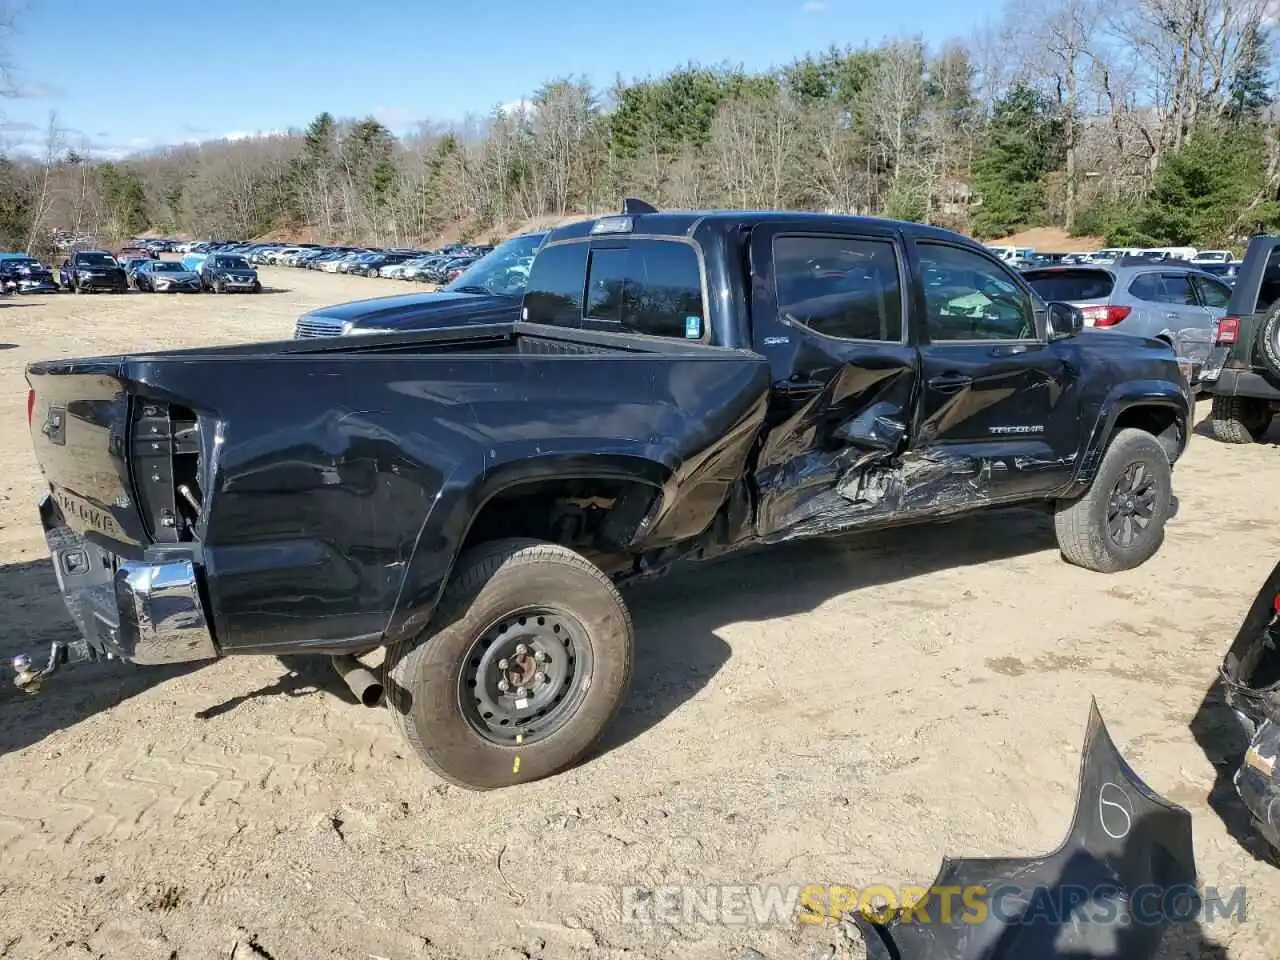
<point>502,686</point>
<point>540,656</point>
<point>540,677</point>
<point>521,649</point>
<point>521,691</point>
<point>503,664</point>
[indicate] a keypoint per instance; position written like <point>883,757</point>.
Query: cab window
<point>969,297</point>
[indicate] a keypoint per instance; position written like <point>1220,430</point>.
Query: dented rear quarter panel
<point>343,483</point>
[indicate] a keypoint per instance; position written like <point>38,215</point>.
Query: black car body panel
<point>1251,683</point>
<point>414,311</point>
<point>1120,879</point>
<point>323,488</point>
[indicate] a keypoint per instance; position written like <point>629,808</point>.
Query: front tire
<point>1119,523</point>
<point>538,618</point>
<point>1239,419</point>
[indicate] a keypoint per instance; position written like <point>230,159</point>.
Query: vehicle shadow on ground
<point>8,346</point>
<point>32,617</point>
<point>304,676</point>
<point>1219,734</point>
<point>678,651</point>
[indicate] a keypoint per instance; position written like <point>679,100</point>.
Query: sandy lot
<point>845,712</point>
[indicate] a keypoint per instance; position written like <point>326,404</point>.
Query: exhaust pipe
<point>359,679</point>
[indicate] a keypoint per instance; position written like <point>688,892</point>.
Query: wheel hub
<point>1131,507</point>
<point>524,676</point>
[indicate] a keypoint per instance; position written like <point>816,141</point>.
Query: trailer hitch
<point>28,679</point>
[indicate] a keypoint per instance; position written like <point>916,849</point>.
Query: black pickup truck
<point>674,387</point>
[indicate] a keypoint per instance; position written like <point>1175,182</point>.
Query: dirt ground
<point>845,712</point>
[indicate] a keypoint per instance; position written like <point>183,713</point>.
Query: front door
<point>995,394</point>
<point>828,310</point>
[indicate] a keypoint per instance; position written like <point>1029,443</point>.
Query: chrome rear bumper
<point>140,611</point>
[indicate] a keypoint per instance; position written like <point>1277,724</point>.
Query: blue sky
<point>131,76</point>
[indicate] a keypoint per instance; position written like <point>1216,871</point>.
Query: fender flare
<point>465,494</point>
<point>1120,398</point>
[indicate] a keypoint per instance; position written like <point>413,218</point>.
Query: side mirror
<point>1064,320</point>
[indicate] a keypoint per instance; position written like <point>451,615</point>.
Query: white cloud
<point>399,118</point>
<point>814,6</point>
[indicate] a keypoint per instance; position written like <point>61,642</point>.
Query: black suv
<point>226,272</point>
<point>88,270</point>
<point>1243,370</point>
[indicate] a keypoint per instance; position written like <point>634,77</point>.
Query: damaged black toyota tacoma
<point>675,386</point>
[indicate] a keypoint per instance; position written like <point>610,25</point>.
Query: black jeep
<point>1243,370</point>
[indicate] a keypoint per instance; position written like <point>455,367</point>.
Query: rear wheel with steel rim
<point>1119,523</point>
<point>527,660</point>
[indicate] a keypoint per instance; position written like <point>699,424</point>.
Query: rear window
<point>1269,291</point>
<point>554,294</point>
<point>650,287</point>
<point>1070,285</point>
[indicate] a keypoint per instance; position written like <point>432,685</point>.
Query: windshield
<point>232,263</point>
<point>502,273</point>
<point>166,266</point>
<point>97,260</point>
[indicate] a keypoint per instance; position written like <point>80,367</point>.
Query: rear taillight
<point>31,405</point>
<point>1228,331</point>
<point>1104,315</point>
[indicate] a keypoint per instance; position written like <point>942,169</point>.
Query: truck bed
<point>319,484</point>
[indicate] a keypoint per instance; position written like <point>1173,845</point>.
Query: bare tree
<point>44,192</point>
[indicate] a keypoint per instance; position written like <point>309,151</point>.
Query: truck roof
<point>683,224</point>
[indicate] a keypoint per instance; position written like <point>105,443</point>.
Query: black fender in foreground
<point>1124,874</point>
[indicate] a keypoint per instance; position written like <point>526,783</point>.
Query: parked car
<point>371,265</point>
<point>87,271</point>
<point>471,501</point>
<point>1177,304</point>
<point>23,274</point>
<point>131,265</point>
<point>488,292</point>
<point>166,276</point>
<point>1204,257</point>
<point>227,273</point>
<point>1244,369</point>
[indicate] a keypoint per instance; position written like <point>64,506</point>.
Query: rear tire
<point>443,688</point>
<point>1239,419</point>
<point>1131,496</point>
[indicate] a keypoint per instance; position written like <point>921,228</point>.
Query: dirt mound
<point>1050,240</point>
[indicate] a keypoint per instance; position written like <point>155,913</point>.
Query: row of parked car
<point>1220,263</point>
<point>428,266</point>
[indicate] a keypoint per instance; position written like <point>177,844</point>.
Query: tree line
<point>1147,122</point>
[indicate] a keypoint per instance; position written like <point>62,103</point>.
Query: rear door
<point>996,398</point>
<point>1165,303</point>
<point>828,310</point>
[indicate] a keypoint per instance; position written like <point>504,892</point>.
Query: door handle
<point>950,382</point>
<point>796,389</point>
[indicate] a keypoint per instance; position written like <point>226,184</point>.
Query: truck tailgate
<point>79,418</point>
